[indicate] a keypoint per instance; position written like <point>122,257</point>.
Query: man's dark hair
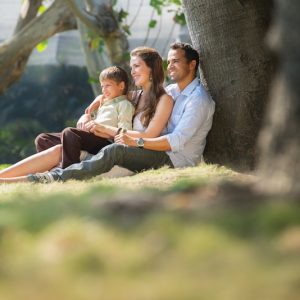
<point>190,52</point>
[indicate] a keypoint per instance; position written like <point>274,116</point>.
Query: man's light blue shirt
<point>190,121</point>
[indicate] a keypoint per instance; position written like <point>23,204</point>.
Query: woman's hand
<point>83,120</point>
<point>125,139</point>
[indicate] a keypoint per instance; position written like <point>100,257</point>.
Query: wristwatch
<point>140,143</point>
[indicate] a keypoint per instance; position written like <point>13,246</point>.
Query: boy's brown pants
<point>73,140</point>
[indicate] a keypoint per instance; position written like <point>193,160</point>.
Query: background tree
<point>97,21</point>
<point>237,68</point>
<point>32,29</point>
<point>280,139</point>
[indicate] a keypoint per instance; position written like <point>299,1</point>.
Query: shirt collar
<point>115,100</point>
<point>187,90</point>
<point>190,87</point>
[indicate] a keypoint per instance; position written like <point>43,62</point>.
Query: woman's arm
<point>159,120</point>
<point>154,129</point>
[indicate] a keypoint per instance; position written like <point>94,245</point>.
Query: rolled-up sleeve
<point>195,113</point>
<point>125,113</point>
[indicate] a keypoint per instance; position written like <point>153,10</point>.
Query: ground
<point>195,233</point>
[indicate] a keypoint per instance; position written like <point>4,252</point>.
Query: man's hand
<point>81,124</point>
<point>94,105</point>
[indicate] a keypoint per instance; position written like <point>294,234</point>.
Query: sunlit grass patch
<point>101,239</point>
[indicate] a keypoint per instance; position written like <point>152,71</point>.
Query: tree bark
<point>229,35</point>
<point>28,12</point>
<point>14,52</point>
<point>95,61</point>
<point>280,139</point>
<point>101,19</point>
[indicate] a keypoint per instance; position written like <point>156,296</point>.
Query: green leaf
<point>122,15</point>
<point>42,46</point>
<point>165,65</point>
<point>94,43</point>
<point>180,18</point>
<point>152,23</point>
<point>42,9</point>
<point>93,80</point>
<point>126,56</point>
<point>157,5</point>
<point>176,2</point>
<point>101,46</point>
<point>126,28</point>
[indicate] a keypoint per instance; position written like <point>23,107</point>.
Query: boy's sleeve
<point>125,114</point>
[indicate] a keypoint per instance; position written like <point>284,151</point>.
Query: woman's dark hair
<point>116,74</point>
<point>154,61</point>
<point>189,52</point>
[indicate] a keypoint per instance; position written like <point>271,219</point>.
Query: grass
<point>93,239</point>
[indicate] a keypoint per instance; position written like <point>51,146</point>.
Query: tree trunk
<point>280,139</point>
<point>95,61</point>
<point>98,16</point>
<point>229,35</point>
<point>14,52</point>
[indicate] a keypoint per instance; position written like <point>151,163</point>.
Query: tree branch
<point>14,52</point>
<point>82,14</point>
<point>29,10</point>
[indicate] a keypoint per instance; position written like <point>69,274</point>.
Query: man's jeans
<point>132,158</point>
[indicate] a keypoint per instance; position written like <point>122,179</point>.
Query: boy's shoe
<point>46,177</point>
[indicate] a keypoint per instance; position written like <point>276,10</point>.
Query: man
<point>187,129</point>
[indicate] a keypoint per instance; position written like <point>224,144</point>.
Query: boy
<point>115,110</point>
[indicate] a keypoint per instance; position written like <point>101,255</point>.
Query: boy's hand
<point>125,139</point>
<point>96,129</point>
<point>94,105</point>
<point>83,120</point>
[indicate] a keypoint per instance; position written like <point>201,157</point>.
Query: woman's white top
<point>137,124</point>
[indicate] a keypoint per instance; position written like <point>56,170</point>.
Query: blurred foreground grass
<point>156,235</point>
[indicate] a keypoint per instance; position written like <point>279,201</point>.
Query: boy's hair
<point>116,74</point>
<point>190,52</point>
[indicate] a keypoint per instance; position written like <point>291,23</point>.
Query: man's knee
<point>115,149</point>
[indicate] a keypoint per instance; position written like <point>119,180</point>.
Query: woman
<point>153,108</point>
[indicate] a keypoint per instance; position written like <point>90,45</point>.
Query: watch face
<point>140,142</point>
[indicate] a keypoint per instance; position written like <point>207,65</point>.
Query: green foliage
<point>126,29</point>
<point>14,138</point>
<point>122,14</point>
<point>180,18</point>
<point>96,43</point>
<point>42,46</point>
<point>47,98</point>
<point>152,23</point>
<point>93,80</point>
<point>42,9</point>
<point>158,5</point>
